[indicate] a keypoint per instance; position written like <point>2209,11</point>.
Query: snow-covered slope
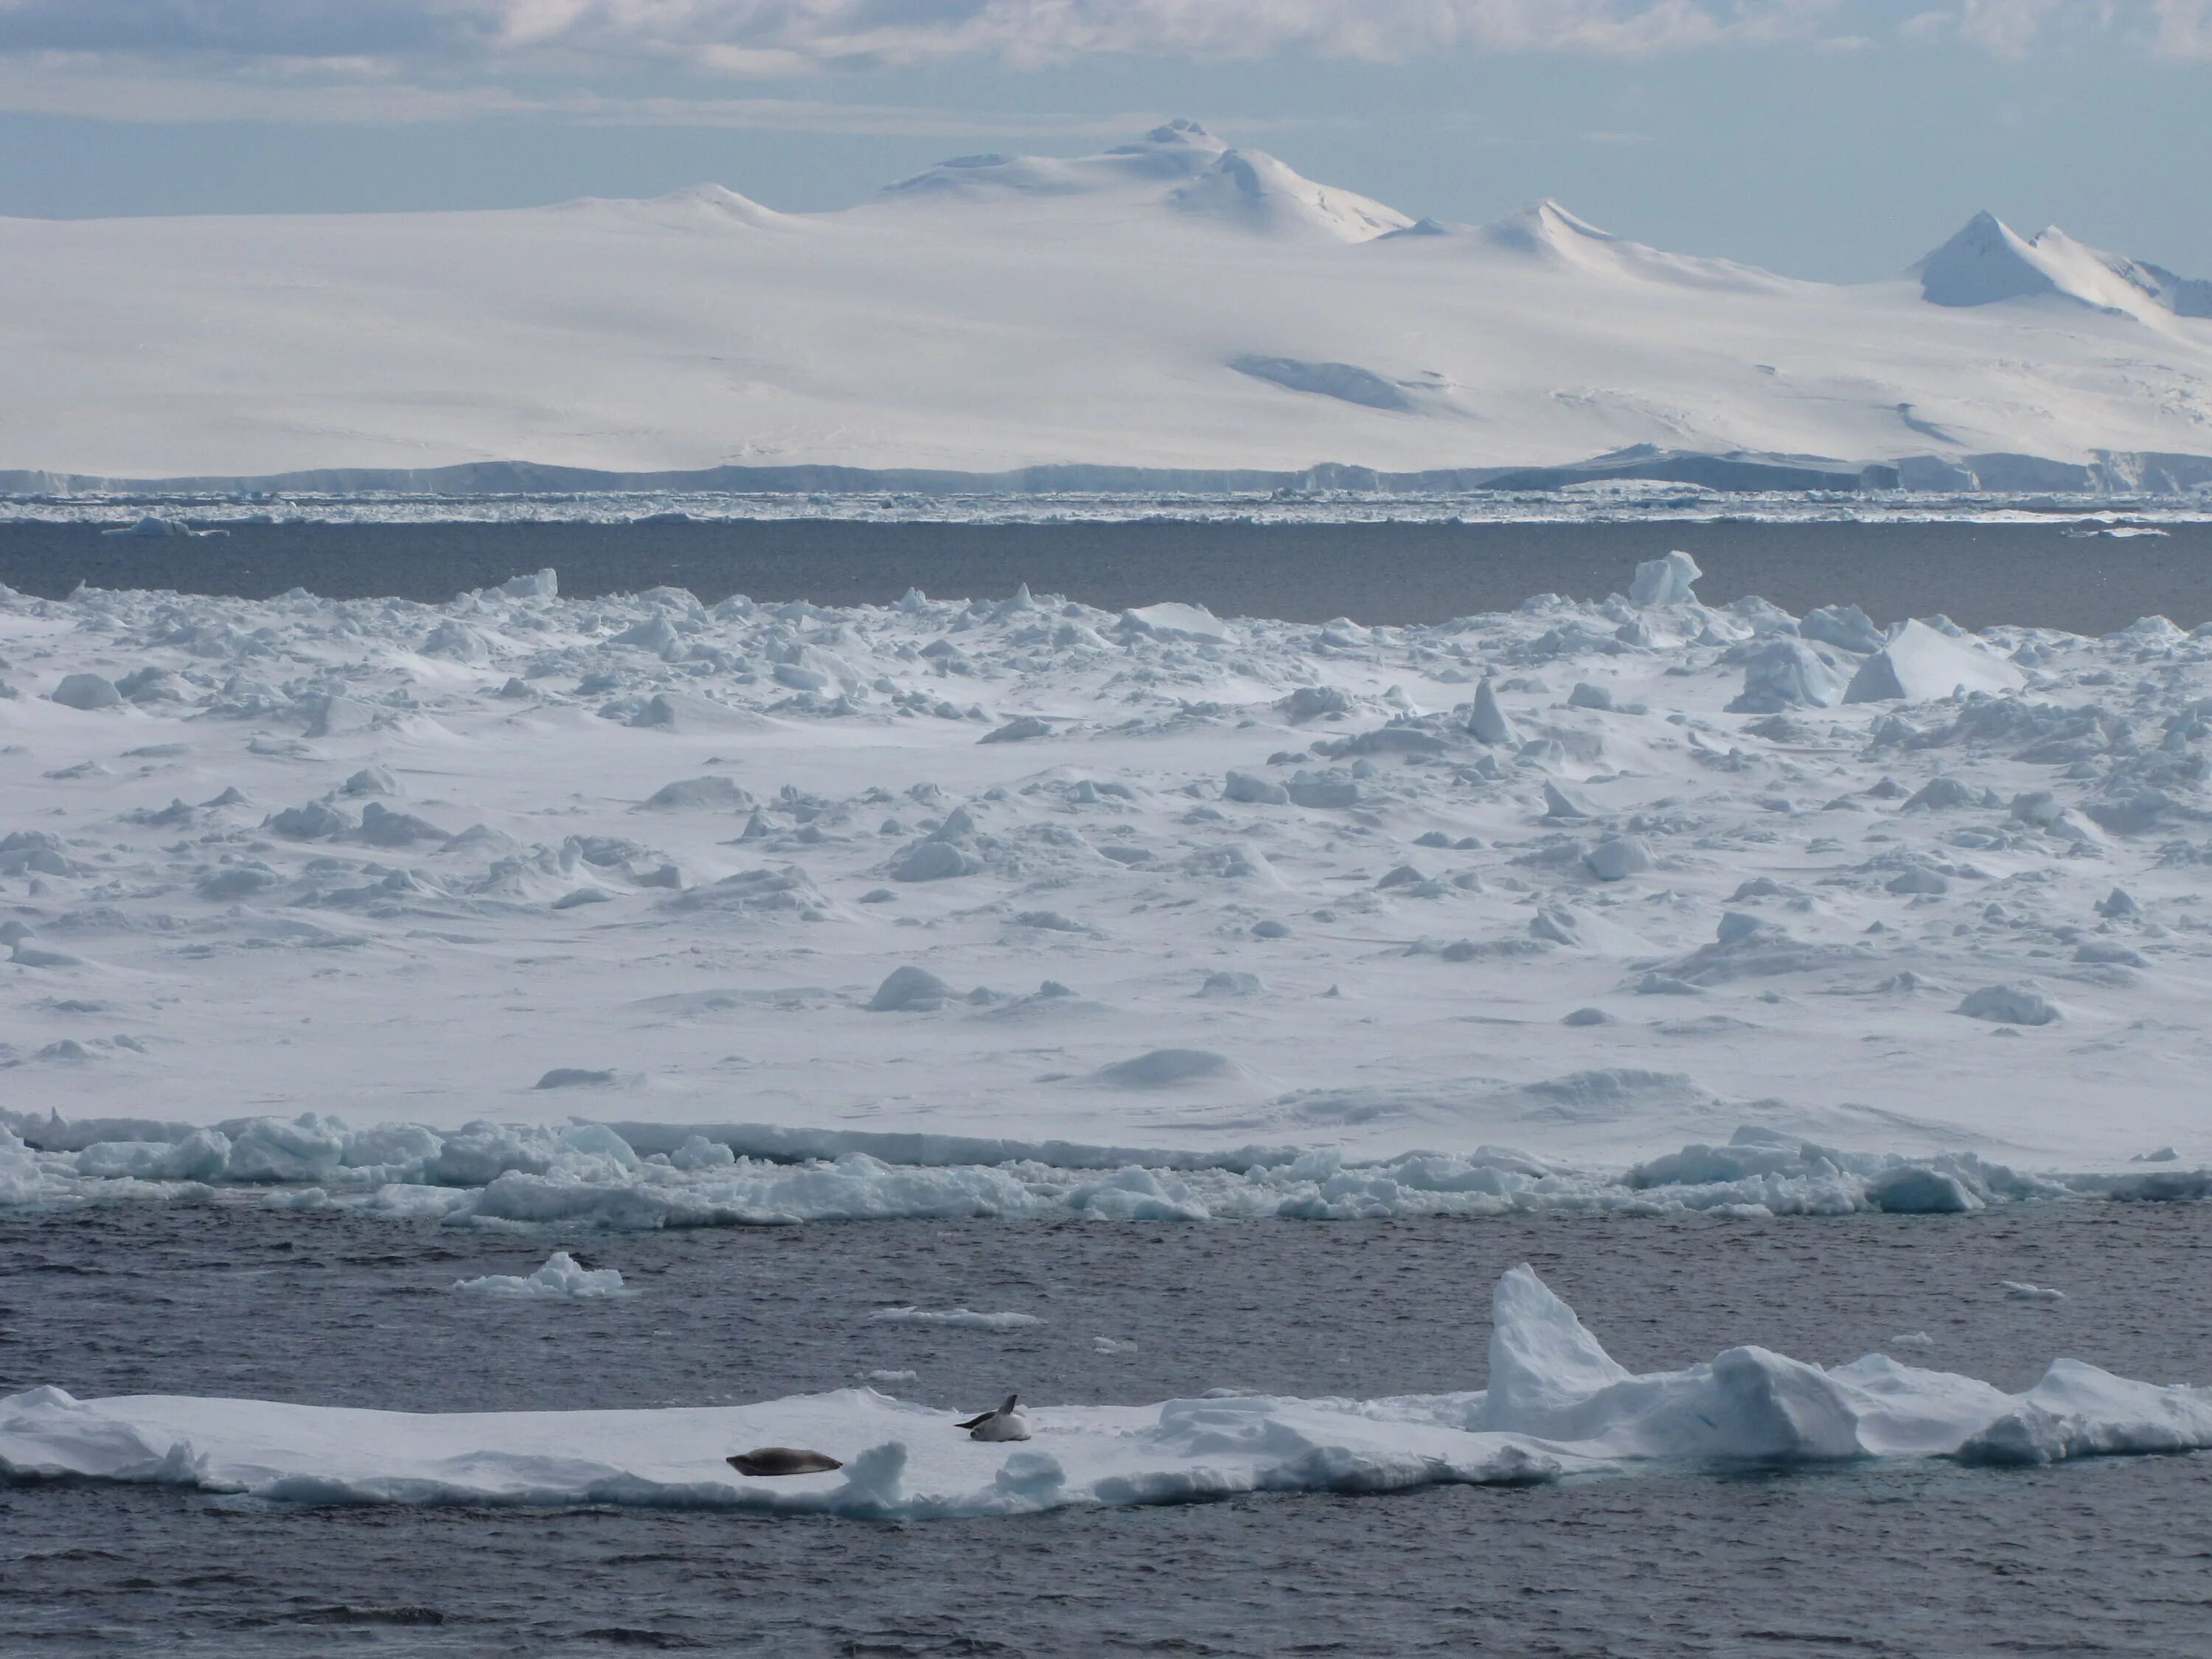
<point>1989,262</point>
<point>1180,166</point>
<point>1174,302</point>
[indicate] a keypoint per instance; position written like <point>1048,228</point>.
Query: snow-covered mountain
<point>1181,166</point>
<point>1989,262</point>
<point>1175,309</point>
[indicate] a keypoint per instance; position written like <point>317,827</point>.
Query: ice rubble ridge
<point>588,1174</point>
<point>1557,1404</point>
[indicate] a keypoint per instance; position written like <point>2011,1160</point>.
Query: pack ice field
<point>633,912</point>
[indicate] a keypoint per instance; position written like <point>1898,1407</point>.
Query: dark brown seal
<point>782,1459</point>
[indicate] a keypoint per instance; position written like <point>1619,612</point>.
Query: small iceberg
<point>562,1277</point>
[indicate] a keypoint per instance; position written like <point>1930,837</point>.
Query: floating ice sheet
<point>1556,1404</point>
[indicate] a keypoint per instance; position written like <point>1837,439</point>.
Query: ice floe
<point>959,1319</point>
<point>561,1278</point>
<point>1556,1404</point>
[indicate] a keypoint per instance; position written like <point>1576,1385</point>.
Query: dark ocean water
<point>2030,574</point>
<point>1922,1559</point>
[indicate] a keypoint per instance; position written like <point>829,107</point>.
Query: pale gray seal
<point>1006,1422</point>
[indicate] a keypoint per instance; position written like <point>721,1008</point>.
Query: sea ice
<point>1918,664</point>
<point>1664,582</point>
<point>561,1278</point>
<point>2020,1004</point>
<point>1429,856</point>
<point>959,1319</point>
<point>1787,674</point>
<point>1557,1404</point>
<point>87,691</point>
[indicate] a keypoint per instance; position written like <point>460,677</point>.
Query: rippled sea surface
<point>2043,574</point>
<point>1924,1559</point>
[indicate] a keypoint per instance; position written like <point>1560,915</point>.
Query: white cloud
<point>411,59</point>
<point>2183,29</point>
<point>2180,30</point>
<point>753,35</point>
<point>2008,27</point>
<point>108,88</point>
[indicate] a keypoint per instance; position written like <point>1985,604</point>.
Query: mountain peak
<point>1986,261</point>
<point>1183,131</point>
<point>721,198</point>
<point>1177,150</point>
<point>1179,165</point>
<point>1989,262</point>
<point>1547,226</point>
<point>1252,188</point>
<point>701,204</point>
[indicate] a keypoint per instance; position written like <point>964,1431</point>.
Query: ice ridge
<point>589,1175</point>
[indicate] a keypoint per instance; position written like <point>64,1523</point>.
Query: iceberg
<point>561,1278</point>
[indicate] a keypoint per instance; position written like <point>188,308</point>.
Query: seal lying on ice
<point>783,1459</point>
<point>1005,1424</point>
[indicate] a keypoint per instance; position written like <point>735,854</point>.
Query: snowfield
<point>1173,305</point>
<point>1557,1404</point>
<point>632,912</point>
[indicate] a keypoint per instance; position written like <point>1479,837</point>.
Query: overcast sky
<point>1834,138</point>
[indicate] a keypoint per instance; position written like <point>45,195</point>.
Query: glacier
<point>1176,312</point>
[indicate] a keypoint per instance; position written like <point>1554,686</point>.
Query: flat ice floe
<point>640,911</point>
<point>561,1278</point>
<point>1557,1404</point>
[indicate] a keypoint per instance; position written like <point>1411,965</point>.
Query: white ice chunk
<point>1174,620</point>
<point>87,691</point>
<point>2022,1004</point>
<point>1489,723</point>
<point>1786,673</point>
<point>1919,665</point>
<point>560,1279</point>
<point>1664,582</point>
<point>959,1319</point>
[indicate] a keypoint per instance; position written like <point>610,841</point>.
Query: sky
<point>1838,139</point>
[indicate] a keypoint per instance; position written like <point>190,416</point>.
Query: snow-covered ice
<point>959,1319</point>
<point>563,1277</point>
<point>2100,503</point>
<point>1557,1404</point>
<point>634,911</point>
<point>1206,310</point>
